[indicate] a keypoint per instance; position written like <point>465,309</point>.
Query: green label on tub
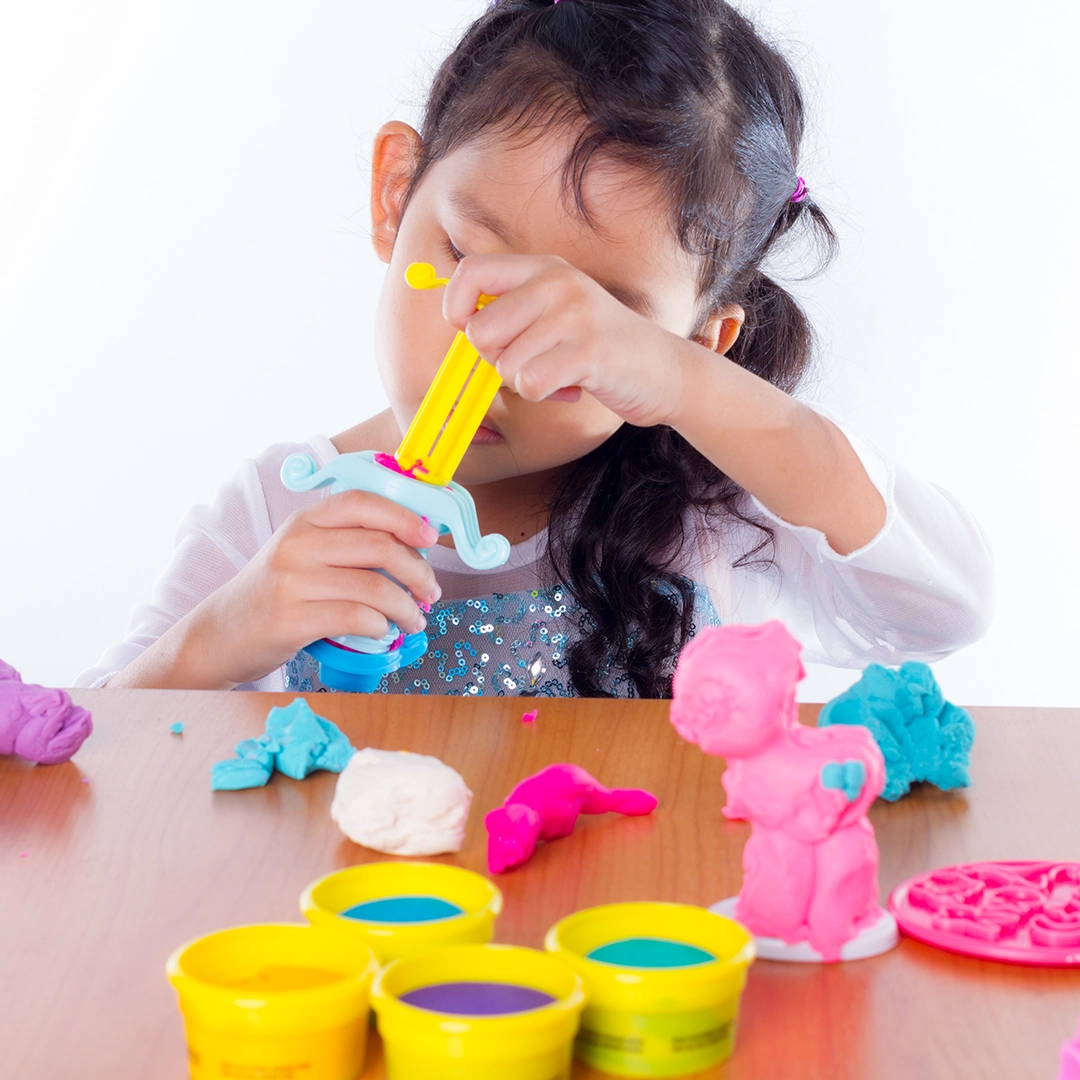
<point>679,1044</point>
<point>404,909</point>
<point>685,1043</point>
<point>650,952</point>
<point>670,1044</point>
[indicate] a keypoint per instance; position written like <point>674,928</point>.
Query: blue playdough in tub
<point>404,909</point>
<point>646,952</point>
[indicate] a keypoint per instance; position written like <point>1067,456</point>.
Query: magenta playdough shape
<point>810,865</point>
<point>1069,1069</point>
<point>546,806</point>
<point>37,723</point>
<point>1017,912</point>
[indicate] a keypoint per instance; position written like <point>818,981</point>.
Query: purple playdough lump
<point>37,723</point>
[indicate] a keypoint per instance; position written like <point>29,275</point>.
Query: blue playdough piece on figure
<point>922,736</point>
<point>296,742</point>
<point>845,776</point>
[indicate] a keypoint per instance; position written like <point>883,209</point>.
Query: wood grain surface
<point>99,881</point>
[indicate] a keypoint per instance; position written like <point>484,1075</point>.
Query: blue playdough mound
<point>922,736</point>
<point>295,742</point>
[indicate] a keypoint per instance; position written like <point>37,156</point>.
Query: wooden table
<point>100,880</point>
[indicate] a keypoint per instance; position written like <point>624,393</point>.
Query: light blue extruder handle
<point>449,509</point>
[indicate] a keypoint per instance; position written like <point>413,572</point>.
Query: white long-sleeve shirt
<point>919,590</point>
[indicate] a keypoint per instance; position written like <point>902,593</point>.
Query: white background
<point>185,278</point>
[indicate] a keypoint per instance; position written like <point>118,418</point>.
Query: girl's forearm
<point>789,457</point>
<point>178,660</point>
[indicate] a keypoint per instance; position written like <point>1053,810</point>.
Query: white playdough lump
<point>401,803</point>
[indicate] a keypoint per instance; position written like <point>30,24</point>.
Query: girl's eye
<point>452,251</point>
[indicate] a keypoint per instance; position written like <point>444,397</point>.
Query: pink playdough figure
<point>546,806</point>
<point>39,724</point>
<point>810,865</point>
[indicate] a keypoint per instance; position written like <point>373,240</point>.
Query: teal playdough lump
<point>922,736</point>
<point>648,952</point>
<point>296,742</point>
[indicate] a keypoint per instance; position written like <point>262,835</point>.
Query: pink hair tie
<point>800,189</point>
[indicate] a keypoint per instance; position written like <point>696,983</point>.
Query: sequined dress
<point>496,632</point>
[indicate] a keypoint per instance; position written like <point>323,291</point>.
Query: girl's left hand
<point>553,330</point>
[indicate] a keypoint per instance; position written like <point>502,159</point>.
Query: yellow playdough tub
<point>478,1012</point>
<point>276,1000</point>
<point>404,909</point>
<point>662,982</point>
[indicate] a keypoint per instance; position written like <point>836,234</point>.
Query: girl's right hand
<point>316,577</point>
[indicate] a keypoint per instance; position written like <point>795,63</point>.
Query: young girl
<point>616,172</point>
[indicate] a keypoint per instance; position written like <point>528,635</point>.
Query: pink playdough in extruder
<point>546,806</point>
<point>810,865</point>
<point>1016,912</point>
<point>39,724</point>
<point>388,461</point>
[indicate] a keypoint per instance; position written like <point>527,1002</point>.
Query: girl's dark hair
<point>686,92</point>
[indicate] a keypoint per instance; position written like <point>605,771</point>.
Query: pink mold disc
<point>1016,912</point>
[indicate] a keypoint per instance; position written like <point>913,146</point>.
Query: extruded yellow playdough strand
<point>454,406</point>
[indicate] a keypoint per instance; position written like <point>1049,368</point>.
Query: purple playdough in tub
<point>477,998</point>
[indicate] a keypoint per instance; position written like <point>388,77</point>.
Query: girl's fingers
<point>568,394</point>
<point>547,373</point>
<point>493,275</point>
<point>368,589</point>
<point>517,359</point>
<point>371,550</point>
<point>497,327</point>
<point>361,509</point>
<point>334,618</point>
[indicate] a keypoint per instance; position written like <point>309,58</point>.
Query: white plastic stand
<point>873,941</point>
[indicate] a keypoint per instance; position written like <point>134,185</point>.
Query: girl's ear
<point>393,161</point>
<point>721,329</point>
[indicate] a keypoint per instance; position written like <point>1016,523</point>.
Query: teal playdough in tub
<point>404,909</point>
<point>650,952</point>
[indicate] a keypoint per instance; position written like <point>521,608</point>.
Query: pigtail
<point>616,530</point>
<point>776,340</point>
